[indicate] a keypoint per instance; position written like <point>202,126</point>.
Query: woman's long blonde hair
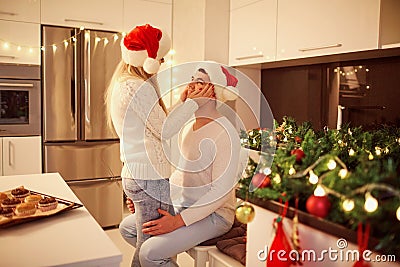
<point>122,73</point>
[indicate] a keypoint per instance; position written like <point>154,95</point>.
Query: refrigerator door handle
<point>86,76</point>
<point>74,93</point>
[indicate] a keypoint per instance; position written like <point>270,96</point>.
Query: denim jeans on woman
<point>161,249</point>
<point>147,196</point>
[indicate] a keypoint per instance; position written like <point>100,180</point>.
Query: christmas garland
<point>349,176</point>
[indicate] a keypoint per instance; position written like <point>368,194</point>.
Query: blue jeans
<point>158,250</point>
<point>147,196</point>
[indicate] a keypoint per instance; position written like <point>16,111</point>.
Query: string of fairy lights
<point>6,45</point>
<point>16,48</point>
<point>371,204</point>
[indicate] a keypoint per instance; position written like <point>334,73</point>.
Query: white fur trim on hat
<point>230,93</point>
<point>151,65</point>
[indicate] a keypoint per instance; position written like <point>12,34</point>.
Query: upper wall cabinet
<point>252,37</point>
<point>20,42</point>
<point>157,13</point>
<point>20,10</point>
<point>313,27</point>
<point>91,14</point>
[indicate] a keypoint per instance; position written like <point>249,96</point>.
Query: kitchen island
<point>72,238</point>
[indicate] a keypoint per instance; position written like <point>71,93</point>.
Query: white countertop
<point>73,238</point>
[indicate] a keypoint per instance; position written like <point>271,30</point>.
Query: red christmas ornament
<point>318,205</point>
<point>260,180</point>
<point>299,154</point>
<point>298,139</point>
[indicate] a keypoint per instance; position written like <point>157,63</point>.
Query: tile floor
<point>184,260</point>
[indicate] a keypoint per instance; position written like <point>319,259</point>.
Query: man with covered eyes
<point>204,180</point>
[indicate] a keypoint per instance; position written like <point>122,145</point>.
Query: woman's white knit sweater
<point>143,127</point>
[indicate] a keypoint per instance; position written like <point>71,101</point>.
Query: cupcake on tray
<point>47,203</point>
<point>3,196</point>
<point>33,199</point>
<point>25,209</point>
<point>10,203</point>
<point>20,193</point>
<point>6,212</point>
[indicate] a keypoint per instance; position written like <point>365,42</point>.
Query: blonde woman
<point>139,115</point>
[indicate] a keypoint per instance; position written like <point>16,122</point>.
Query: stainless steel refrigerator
<point>77,66</point>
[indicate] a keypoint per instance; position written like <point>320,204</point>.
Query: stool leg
<point>201,259</point>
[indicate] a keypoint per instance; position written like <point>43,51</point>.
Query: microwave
<point>20,100</point>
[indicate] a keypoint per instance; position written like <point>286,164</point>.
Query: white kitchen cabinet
<point>21,155</point>
<point>91,14</point>
<point>252,37</point>
<point>20,10</point>
<point>139,12</point>
<point>308,28</point>
<point>19,42</point>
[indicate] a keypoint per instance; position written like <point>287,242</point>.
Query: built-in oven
<point>20,100</point>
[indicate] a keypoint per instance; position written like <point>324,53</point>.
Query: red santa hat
<point>144,46</point>
<point>231,81</point>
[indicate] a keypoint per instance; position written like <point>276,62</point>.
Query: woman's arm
<point>145,104</point>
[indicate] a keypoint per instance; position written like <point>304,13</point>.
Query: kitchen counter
<point>72,238</point>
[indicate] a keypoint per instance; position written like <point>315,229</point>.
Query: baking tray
<point>63,206</point>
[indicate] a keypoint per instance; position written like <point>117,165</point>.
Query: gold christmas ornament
<point>245,213</point>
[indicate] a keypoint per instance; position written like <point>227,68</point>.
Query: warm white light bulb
<point>172,52</point>
<point>115,37</point>
<point>54,47</point>
<point>277,179</point>
<point>30,50</point>
<point>343,173</point>
<point>292,171</point>
<point>331,164</point>
<point>82,28</point>
<point>6,45</point>
<point>398,214</point>
<point>105,41</point>
<point>267,171</point>
<point>371,204</point>
<point>370,156</point>
<point>73,39</point>
<point>66,43</point>
<point>348,205</point>
<point>19,48</point>
<point>313,179</point>
<point>97,39</point>
<point>351,152</point>
<point>319,191</point>
<point>378,151</point>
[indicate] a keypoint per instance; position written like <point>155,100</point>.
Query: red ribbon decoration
<point>362,240</point>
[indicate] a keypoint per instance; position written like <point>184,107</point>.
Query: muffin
<point>20,193</point>
<point>6,212</point>
<point>3,196</point>
<point>25,209</point>
<point>10,203</point>
<point>33,199</point>
<point>47,203</point>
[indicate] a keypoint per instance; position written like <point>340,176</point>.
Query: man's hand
<point>167,223</point>
<point>130,205</point>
